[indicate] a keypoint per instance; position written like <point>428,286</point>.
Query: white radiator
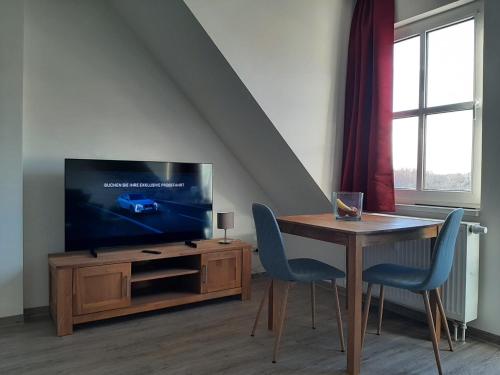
<point>460,296</point>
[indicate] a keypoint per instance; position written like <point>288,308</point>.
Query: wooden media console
<point>127,281</point>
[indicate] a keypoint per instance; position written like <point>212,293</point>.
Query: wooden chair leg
<point>366,312</point>
<point>380,309</point>
<point>281,323</point>
<point>430,322</point>
<point>339,317</point>
<point>443,317</point>
<point>313,304</point>
<point>261,305</point>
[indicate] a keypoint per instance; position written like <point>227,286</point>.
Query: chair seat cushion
<point>396,276</point>
<point>309,270</point>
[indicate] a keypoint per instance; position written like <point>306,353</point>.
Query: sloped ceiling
<point>292,57</point>
<point>179,42</point>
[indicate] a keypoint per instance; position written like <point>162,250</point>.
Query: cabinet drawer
<point>101,288</point>
<point>221,271</point>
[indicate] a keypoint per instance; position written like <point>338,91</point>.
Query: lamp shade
<point>225,220</point>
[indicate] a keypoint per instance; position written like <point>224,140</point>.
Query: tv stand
<point>93,252</point>
<point>127,281</point>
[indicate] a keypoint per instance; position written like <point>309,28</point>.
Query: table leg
<point>436,315</point>
<point>276,295</point>
<point>346,284</point>
<point>355,292</point>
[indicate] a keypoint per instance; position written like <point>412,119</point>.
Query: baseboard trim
<point>34,313</point>
<point>483,335</point>
<point>30,314</point>
<point>9,321</point>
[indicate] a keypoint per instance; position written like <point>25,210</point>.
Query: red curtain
<point>367,154</point>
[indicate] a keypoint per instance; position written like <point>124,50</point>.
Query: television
<point>116,203</point>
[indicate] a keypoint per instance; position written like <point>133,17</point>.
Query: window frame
<point>421,28</point>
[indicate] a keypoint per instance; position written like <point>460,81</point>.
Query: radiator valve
<point>478,229</point>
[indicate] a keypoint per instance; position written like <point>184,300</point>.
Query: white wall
<point>11,78</point>
<point>489,296</point>
<point>92,91</point>
<point>291,55</point>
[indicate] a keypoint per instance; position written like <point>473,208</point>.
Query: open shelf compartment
<point>165,288</point>
<point>161,274</point>
<point>165,268</point>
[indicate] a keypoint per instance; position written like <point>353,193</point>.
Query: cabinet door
<point>101,288</point>
<point>221,271</point>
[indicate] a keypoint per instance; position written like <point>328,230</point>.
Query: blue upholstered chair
<point>422,281</point>
<point>278,267</point>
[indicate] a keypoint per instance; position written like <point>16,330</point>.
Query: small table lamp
<point>225,220</point>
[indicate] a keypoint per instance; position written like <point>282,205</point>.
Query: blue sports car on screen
<point>136,203</point>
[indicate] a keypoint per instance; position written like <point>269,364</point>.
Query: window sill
<point>434,212</point>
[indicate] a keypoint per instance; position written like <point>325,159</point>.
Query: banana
<point>344,207</point>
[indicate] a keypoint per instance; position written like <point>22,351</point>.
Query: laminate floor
<point>213,338</point>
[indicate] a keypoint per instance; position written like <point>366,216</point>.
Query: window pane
<point>448,152</point>
<point>450,71</point>
<point>406,74</point>
<point>404,152</point>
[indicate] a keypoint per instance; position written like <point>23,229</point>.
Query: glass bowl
<point>347,205</point>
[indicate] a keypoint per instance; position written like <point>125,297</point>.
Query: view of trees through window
<point>405,179</point>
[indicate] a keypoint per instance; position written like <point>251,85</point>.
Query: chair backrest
<point>444,250</point>
<point>270,242</point>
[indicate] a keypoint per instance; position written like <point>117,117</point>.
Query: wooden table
<point>373,229</point>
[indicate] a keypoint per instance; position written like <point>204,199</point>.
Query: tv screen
<point>114,203</point>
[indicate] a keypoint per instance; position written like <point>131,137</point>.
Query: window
<point>436,112</point>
